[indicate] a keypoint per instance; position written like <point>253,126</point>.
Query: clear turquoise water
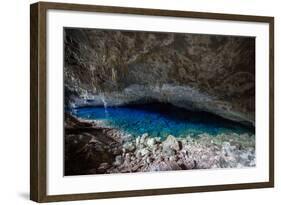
<point>160,120</point>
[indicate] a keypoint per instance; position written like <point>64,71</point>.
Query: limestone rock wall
<point>207,72</point>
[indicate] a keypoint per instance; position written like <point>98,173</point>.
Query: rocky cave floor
<point>93,149</point>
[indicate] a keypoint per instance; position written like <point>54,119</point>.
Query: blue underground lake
<point>160,120</point>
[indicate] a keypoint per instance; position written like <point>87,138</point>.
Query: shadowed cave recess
<point>147,101</point>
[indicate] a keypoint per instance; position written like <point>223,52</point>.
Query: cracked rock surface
<point>207,72</point>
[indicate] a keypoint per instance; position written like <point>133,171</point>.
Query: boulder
<point>118,160</point>
<point>103,167</point>
<point>129,146</point>
<point>138,141</point>
<point>150,142</point>
<point>144,151</point>
<point>171,143</point>
<point>164,166</point>
<point>189,164</point>
<point>143,138</point>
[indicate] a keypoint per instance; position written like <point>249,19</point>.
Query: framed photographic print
<point>133,102</point>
